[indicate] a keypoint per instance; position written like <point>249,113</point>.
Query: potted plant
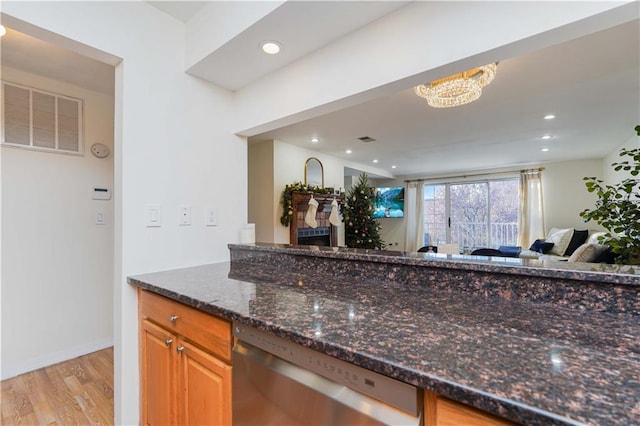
<point>618,208</point>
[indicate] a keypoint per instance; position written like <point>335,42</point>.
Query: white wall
<point>220,21</point>
<point>57,275</point>
<point>393,232</point>
<point>609,175</point>
<point>261,189</point>
<point>174,144</point>
<point>565,195</point>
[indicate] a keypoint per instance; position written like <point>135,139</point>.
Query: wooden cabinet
<point>205,378</point>
<point>185,366</point>
<point>157,366</point>
<point>441,411</point>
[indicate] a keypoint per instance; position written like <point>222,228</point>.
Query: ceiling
<point>181,10</point>
<point>301,27</point>
<point>36,56</point>
<point>592,85</point>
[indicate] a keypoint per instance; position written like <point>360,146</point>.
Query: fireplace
<point>320,236</point>
<point>325,234</point>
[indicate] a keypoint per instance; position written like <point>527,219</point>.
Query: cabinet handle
<point>179,349</point>
<point>168,342</point>
<point>173,318</point>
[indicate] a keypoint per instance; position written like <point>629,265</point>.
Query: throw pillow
<point>578,239</point>
<point>541,246</point>
<point>584,253</point>
<point>560,239</point>
<point>510,251</point>
<point>588,253</point>
<point>593,238</point>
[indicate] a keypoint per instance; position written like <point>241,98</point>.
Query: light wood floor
<point>74,392</point>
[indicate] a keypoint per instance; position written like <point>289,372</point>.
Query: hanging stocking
<point>310,216</point>
<point>334,217</point>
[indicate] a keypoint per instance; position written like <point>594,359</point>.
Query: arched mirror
<point>313,172</point>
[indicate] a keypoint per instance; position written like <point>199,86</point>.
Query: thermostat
<point>101,193</point>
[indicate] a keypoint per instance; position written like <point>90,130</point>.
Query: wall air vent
<point>366,139</point>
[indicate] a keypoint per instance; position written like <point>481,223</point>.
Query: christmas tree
<point>361,229</point>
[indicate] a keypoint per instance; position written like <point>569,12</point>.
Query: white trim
<point>27,365</point>
<point>41,149</point>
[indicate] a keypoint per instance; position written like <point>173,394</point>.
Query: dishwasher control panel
<point>394,392</point>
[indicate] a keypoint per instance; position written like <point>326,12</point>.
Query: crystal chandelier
<point>457,89</point>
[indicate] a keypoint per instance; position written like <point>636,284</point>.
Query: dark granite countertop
<point>532,363</point>
<point>601,272</point>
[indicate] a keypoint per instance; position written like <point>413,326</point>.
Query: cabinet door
<point>206,386</point>
<point>158,366</point>
<point>441,411</point>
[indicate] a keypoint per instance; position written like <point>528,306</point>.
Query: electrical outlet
<point>184,215</point>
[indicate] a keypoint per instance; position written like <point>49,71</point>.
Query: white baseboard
<point>13,369</point>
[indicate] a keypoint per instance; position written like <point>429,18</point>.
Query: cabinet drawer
<point>205,330</point>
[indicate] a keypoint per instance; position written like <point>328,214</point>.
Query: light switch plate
<point>153,215</point>
<point>211,216</point>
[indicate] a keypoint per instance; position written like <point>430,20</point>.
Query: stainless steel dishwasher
<point>278,382</point>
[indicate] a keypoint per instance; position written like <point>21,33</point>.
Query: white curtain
<point>530,212</point>
<point>414,209</point>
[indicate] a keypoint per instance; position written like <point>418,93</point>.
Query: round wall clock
<point>100,150</point>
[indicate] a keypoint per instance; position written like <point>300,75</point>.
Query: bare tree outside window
<point>472,215</point>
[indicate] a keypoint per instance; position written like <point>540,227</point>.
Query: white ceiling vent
<point>366,139</point>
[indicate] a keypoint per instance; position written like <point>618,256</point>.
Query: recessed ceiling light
<point>545,137</point>
<point>315,140</point>
<point>271,47</point>
<point>375,161</point>
<point>393,167</point>
<point>549,117</point>
<point>348,151</point>
<point>545,149</point>
<point>3,30</point>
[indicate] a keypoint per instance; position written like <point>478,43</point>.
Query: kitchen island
<point>461,327</point>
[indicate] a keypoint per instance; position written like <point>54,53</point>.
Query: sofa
<point>565,244</point>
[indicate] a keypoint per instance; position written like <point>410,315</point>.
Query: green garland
<point>287,198</point>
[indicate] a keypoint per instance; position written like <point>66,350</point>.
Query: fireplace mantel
<point>301,204</point>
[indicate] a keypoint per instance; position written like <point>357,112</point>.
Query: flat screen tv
<point>389,202</point>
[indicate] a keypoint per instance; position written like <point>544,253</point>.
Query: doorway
<point>57,229</point>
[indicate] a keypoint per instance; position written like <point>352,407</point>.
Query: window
<point>472,215</point>
<point>40,120</point>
